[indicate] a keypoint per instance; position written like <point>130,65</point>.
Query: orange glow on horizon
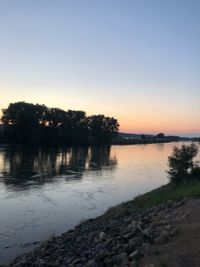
<point>132,118</point>
<point>174,126</point>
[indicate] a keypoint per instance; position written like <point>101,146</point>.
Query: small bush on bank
<point>182,167</point>
<point>195,174</point>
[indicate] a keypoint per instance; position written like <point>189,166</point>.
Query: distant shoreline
<point>145,142</point>
<point>114,142</point>
<point>141,142</point>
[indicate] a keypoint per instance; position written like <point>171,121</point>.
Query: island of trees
<point>31,124</point>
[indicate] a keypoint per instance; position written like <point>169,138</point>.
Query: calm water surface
<point>46,192</point>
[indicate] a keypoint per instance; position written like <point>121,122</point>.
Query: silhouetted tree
<point>102,128</point>
<point>181,164</point>
<point>27,123</point>
<point>22,122</point>
<point>160,135</point>
<point>78,126</point>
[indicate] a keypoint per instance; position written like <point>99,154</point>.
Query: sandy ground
<point>183,249</point>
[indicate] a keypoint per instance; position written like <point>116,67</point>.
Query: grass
<point>168,192</point>
<point>155,197</point>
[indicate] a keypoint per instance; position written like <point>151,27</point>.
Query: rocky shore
<point>129,239</point>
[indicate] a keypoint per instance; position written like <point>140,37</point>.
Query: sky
<point>135,60</point>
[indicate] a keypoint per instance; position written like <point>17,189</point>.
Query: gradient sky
<point>136,60</point>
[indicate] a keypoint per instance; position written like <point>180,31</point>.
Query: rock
<point>139,226</point>
<point>169,203</point>
<point>116,259</point>
<point>163,222</point>
<point>133,264</point>
<point>145,248</point>
<point>167,217</point>
<point>124,259</point>
<point>162,238</point>
<point>127,220</point>
<point>108,262</point>
<point>147,233</point>
<point>134,242</point>
<point>99,256</point>
<point>109,240</point>
<point>114,249</point>
<point>20,263</point>
<point>77,261</point>
<point>168,227</point>
<point>180,203</point>
<point>146,218</point>
<point>126,248</point>
<point>134,255</point>
<point>132,226</point>
<point>102,236</point>
<point>184,215</point>
<point>78,239</point>
<point>174,231</point>
<point>91,263</point>
<point>128,236</point>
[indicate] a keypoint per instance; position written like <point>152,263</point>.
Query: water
<point>47,192</point>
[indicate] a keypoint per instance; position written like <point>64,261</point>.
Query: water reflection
<point>21,169</point>
<point>45,192</point>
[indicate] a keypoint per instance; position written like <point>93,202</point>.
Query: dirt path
<point>183,249</point>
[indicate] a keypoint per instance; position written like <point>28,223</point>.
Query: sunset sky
<point>136,60</point>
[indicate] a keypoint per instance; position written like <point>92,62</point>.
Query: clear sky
<point>136,60</point>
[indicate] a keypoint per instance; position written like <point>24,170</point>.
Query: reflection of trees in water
<point>23,169</point>
<point>99,158</point>
<point>160,146</point>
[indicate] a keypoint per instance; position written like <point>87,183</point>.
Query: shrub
<point>195,174</point>
<point>182,168</point>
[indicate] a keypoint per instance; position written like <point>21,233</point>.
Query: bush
<point>195,174</point>
<point>182,168</point>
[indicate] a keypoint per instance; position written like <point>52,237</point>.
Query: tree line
<point>32,124</point>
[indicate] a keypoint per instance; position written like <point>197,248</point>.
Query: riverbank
<point>139,142</point>
<point>131,234</point>
<point>129,139</point>
<point>114,141</point>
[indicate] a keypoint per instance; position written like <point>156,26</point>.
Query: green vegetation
<point>158,196</point>
<point>168,192</point>
<point>30,124</point>
<point>184,174</point>
<point>180,162</point>
<point>182,167</point>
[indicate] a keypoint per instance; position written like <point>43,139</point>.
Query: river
<point>45,192</point>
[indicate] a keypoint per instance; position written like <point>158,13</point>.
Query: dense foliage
<point>27,123</point>
<point>182,167</point>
